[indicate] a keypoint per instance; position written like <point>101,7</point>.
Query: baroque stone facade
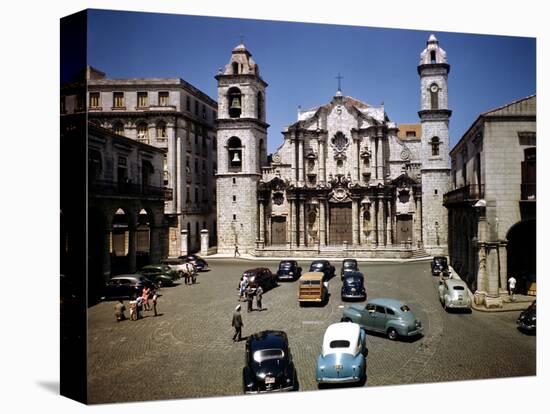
<point>345,177</point>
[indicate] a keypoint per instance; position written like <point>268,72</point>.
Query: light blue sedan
<point>387,316</point>
<point>343,358</point>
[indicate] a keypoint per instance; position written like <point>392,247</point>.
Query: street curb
<point>503,309</point>
<point>366,260</point>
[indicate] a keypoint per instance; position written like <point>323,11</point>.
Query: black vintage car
<point>260,276</point>
<point>439,265</point>
<point>196,261</point>
<point>269,365</point>
<point>348,265</point>
<point>289,270</point>
<point>353,286</point>
<point>126,286</point>
<point>323,266</point>
<point>527,321</point>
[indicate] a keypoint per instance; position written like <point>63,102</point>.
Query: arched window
<point>234,100</point>
<point>142,132</point>
<point>235,154</point>
<point>235,66</point>
<point>161,130</point>
<point>118,128</point>
<point>432,56</point>
<point>435,146</point>
<point>260,106</point>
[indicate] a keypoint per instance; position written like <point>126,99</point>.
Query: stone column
<point>380,156</point>
<point>293,158</point>
<point>355,221</point>
<point>106,265</point>
<point>372,223</point>
<point>262,222</point>
<point>301,160</point>
<point>503,267</point>
<point>154,244</point>
<point>172,169</point>
<point>301,229</point>
<point>178,182</point>
<point>323,222</point>
<point>322,178</point>
<point>381,221</point>
<point>184,248</point>
<point>418,221</point>
<point>374,218</point>
<point>204,242</point>
<point>482,269</point>
<point>388,222</point>
<point>291,230</point>
<point>492,270</point>
<point>355,156</point>
<point>132,249</point>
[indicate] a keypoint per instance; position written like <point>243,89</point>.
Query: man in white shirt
<point>511,285</point>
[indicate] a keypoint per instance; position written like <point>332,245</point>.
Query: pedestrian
<point>119,311</point>
<point>237,251</point>
<point>154,300</point>
<point>186,273</point>
<point>139,307</point>
<point>242,286</point>
<point>237,323</point>
<point>259,293</point>
<point>145,296</point>
<point>133,315</point>
<point>511,286</point>
<point>249,299</point>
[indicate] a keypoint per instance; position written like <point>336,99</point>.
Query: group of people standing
<point>145,302</point>
<point>246,293</point>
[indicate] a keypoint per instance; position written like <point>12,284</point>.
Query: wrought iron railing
<point>115,188</point>
<point>468,193</point>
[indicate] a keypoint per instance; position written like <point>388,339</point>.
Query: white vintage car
<point>343,359</point>
<point>453,294</point>
<point>180,266</point>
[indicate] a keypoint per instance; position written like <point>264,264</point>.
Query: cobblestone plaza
<point>187,351</point>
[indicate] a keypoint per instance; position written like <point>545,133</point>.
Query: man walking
<point>511,286</point>
<point>259,293</point>
<point>249,299</point>
<point>237,251</point>
<point>155,297</point>
<point>237,323</point>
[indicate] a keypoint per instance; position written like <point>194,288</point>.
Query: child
<point>132,305</point>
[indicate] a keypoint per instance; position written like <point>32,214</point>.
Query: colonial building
<point>171,114</point>
<point>492,204</point>
<point>345,176</point>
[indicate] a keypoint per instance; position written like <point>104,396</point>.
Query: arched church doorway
<point>522,254</point>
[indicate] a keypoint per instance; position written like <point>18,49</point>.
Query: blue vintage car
<point>343,359</point>
<point>387,316</point>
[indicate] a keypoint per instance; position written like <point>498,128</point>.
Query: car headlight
<point>290,273</point>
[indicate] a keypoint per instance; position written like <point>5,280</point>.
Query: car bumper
<point>354,295</point>
<point>285,277</point>
<point>452,305</point>
<point>416,332</point>
<point>526,326</point>
<point>289,388</point>
<point>338,380</point>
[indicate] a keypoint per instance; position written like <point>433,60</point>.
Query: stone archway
<point>522,253</point>
<point>143,239</point>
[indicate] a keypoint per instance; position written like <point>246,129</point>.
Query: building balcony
<point>123,189</point>
<point>467,194</point>
<point>529,192</point>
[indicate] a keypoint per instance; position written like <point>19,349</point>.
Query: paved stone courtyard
<point>187,351</point>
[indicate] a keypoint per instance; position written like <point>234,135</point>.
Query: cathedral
<point>345,181</point>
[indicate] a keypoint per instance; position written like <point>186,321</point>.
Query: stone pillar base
<point>493,302</point>
<point>479,298</point>
<point>204,242</point>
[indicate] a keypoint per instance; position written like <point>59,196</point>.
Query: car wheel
<point>392,334</point>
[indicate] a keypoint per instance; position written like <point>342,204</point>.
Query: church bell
<point>236,157</point>
<point>235,103</point>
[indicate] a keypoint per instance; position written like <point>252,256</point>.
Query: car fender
<point>352,314</point>
<point>399,325</point>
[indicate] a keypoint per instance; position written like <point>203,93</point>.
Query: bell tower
<point>434,117</point>
<point>242,151</point>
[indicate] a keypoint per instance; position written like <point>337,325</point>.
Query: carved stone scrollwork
<point>365,153</point>
<point>278,198</point>
<point>340,189</point>
<point>339,143</point>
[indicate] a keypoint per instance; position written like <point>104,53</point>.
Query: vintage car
<point>353,286</point>
<point>127,286</point>
<point>343,358</point>
<point>289,270</point>
<point>439,265</point>
<point>388,316</point>
<point>453,293</point>
<point>348,265</point>
<point>527,321</point>
<point>260,276</point>
<point>269,365</point>
<point>196,261</point>
<point>179,265</point>
<point>312,288</point>
<point>160,274</point>
<point>322,266</point>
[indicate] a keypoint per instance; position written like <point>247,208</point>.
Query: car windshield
<point>285,265</point>
<point>316,265</point>
<point>441,261</point>
<point>339,343</point>
<point>311,282</point>
<point>352,280</point>
<point>268,354</point>
<point>348,265</point>
<point>458,287</point>
<point>405,308</point>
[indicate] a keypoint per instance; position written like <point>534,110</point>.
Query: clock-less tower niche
<point>242,143</point>
<point>434,118</point>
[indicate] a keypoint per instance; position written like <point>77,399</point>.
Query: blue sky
<point>300,61</point>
